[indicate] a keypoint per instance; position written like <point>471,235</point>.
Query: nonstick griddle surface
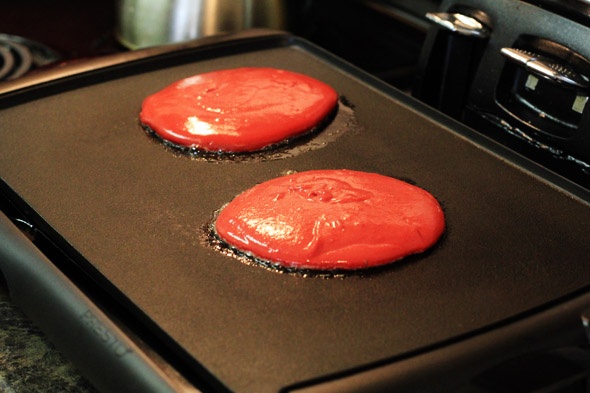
<point>135,212</point>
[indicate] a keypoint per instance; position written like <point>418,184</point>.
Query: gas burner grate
<point>20,55</point>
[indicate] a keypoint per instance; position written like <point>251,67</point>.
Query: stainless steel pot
<point>144,23</point>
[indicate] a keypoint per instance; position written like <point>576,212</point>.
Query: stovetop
<point>19,56</point>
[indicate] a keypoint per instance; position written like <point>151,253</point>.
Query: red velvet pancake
<point>331,220</point>
<point>238,110</point>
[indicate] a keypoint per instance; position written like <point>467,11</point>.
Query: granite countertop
<point>28,362</point>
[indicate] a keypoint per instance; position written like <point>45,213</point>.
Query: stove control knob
<point>459,23</point>
<point>547,68</point>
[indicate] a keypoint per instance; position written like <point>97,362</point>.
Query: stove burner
<point>20,55</point>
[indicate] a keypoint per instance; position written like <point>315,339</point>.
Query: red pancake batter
<point>238,110</point>
<point>331,220</point>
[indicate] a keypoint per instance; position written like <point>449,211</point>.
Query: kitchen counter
<point>28,362</point>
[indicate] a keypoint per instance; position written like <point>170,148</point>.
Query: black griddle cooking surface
<point>135,211</point>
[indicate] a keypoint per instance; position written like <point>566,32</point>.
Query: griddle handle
<point>106,356</point>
